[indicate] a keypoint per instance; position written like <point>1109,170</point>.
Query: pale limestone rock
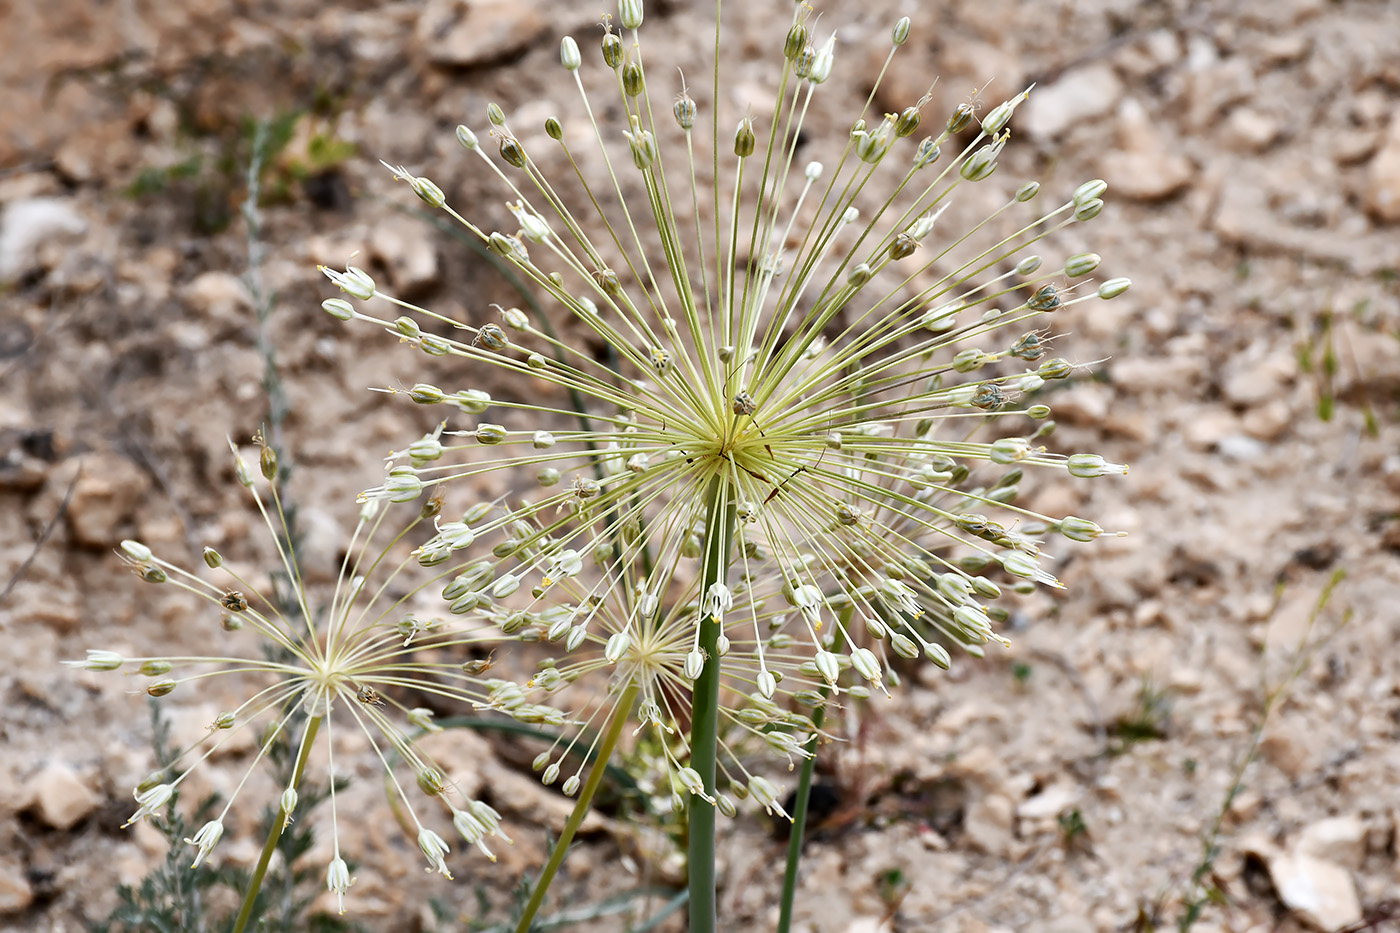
<point>989,822</point>
<point>1049,803</point>
<point>221,296</point>
<point>104,500</point>
<point>1262,380</point>
<point>15,892</point>
<point>29,225</point>
<point>1382,194</point>
<point>467,33</point>
<point>1145,166</point>
<point>1338,839</point>
<point>408,251</point>
<point>1082,94</point>
<point>1321,892</point>
<point>61,797</point>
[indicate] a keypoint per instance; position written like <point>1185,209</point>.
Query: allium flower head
<point>780,417</point>
<point>313,672</point>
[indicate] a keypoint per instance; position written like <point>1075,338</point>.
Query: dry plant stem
<point>704,729</point>
<point>279,822</point>
<point>1272,696</point>
<point>620,715</point>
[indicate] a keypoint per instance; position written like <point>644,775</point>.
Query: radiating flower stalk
<point>350,666</point>
<point>774,493</point>
<point>778,483</point>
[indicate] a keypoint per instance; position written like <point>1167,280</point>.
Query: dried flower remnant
<point>343,670</point>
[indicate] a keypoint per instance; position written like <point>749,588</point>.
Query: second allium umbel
<point>775,412</point>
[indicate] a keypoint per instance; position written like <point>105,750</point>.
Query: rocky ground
<point>1250,378</point>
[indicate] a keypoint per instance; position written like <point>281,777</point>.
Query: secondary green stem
<point>799,824</point>
<point>704,724</point>
<point>620,714</point>
<point>308,738</point>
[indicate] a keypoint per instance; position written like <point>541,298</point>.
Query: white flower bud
<point>569,55</point>
<point>1114,287</point>
<point>629,13</point>
<point>866,664</point>
<point>1089,191</point>
<point>617,646</point>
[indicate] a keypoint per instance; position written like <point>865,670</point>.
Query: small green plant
<point>175,897</point>
<point>1320,358</point>
<point>1072,826</point>
<point>1201,890</point>
<point>1148,721</point>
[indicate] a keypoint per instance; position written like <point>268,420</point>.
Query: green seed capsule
<point>907,123</point>
<point>612,50</point>
<point>1114,287</point>
<point>684,110</point>
<point>744,138</point>
<point>512,152</point>
<point>796,41</point>
<point>961,117</point>
<point>1081,264</point>
<point>632,82</point>
<point>1044,299</point>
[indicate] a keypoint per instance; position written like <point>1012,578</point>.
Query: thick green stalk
<point>704,724</point>
<point>308,739</point>
<point>620,715</point>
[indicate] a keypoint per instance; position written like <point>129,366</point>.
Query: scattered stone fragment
<point>467,33</point>
<point>221,296</point>
<point>1338,839</point>
<point>1250,130</point>
<point>1259,381</point>
<point>61,797</point>
<point>1049,803</point>
<point>408,250</point>
<point>1321,892</point>
<point>26,226</point>
<point>1079,95</point>
<point>1145,167</point>
<point>988,824</point>
<point>1383,179</point>
<point>104,500</point>
<point>15,892</point>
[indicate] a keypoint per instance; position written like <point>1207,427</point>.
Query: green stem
<point>620,714</point>
<point>308,738</point>
<point>704,723</point>
<point>799,824</point>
